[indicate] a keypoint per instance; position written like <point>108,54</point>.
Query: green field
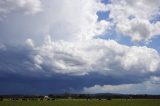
<point>82,103</point>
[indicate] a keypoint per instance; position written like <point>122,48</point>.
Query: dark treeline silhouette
<point>106,96</point>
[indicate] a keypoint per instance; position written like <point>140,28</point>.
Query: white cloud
<point>71,48</point>
<point>27,6</point>
<point>148,87</point>
<point>139,29</point>
<point>133,18</point>
<point>68,20</point>
<point>77,20</point>
<point>102,56</point>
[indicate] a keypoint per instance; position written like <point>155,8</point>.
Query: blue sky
<point>93,46</point>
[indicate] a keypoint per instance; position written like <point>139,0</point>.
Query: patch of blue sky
<point>155,43</point>
<point>155,18</point>
<point>112,34</point>
<point>131,17</point>
<point>105,1</point>
<point>122,39</point>
<point>152,43</point>
<point>103,15</point>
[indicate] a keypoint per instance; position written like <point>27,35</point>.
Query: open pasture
<point>82,102</point>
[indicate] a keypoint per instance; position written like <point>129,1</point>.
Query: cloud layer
<point>147,87</point>
<point>136,19</point>
<point>45,38</point>
<point>102,56</point>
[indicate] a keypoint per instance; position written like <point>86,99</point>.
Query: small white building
<point>46,97</point>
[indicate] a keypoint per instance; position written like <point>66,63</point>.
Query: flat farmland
<point>82,102</point>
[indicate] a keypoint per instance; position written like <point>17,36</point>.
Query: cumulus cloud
<point>26,6</point>
<point>73,46</point>
<point>70,20</point>
<point>106,57</point>
<point>64,20</point>
<point>77,20</point>
<point>135,18</point>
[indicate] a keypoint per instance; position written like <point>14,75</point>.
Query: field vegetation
<point>81,102</point>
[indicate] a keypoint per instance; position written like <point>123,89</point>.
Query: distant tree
<point>53,98</point>
<point>99,99</point>
<point>41,99</point>
<point>66,94</point>
<point>1,99</point>
<point>24,99</point>
<point>109,98</point>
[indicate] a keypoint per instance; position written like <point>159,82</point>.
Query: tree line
<point>78,96</point>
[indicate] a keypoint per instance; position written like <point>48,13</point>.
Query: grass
<point>80,102</point>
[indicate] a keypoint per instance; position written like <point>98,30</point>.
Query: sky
<point>79,46</point>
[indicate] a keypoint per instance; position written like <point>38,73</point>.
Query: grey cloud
<point>71,47</point>
<point>27,6</point>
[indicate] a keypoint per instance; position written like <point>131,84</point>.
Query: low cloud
<point>148,87</point>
